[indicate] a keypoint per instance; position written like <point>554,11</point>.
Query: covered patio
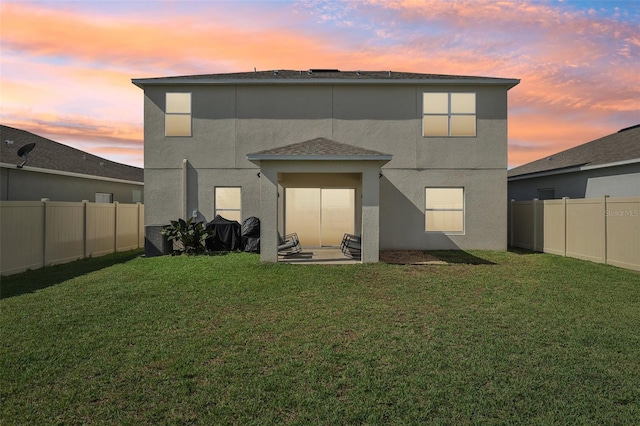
<point>320,164</point>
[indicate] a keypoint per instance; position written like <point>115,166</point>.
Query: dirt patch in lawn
<point>409,257</point>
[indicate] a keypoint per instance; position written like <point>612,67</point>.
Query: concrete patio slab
<point>319,256</point>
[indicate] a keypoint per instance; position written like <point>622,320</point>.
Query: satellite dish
<point>25,150</point>
<point>24,153</point>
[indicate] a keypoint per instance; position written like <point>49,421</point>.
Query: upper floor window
<point>177,119</point>
<point>448,114</point>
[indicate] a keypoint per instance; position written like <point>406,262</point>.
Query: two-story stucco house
<point>407,161</point>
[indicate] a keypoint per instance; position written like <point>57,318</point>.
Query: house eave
<point>70,174</point>
<point>142,82</point>
<point>573,169</point>
<point>612,164</point>
<point>544,173</point>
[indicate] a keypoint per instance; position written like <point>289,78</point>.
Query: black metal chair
<point>351,246</point>
<point>289,245</point>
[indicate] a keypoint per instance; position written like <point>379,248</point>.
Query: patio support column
<point>268,215</point>
<point>370,215</point>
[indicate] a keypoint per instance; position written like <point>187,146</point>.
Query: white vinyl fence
<point>603,230</point>
<point>34,234</point>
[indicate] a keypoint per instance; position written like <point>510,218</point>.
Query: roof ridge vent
<point>321,70</point>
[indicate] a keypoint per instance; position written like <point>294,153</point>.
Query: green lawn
<point>511,337</point>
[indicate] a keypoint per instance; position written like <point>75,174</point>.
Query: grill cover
<point>251,235</point>
<point>225,235</point>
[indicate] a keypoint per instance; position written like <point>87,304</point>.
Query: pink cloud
<point>536,135</point>
<point>109,139</point>
<point>80,64</point>
<point>157,42</point>
<point>564,58</point>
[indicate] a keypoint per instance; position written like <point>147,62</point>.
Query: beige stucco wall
<point>402,204</point>
<point>231,121</point>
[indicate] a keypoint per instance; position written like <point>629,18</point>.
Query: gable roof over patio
<point>322,149</point>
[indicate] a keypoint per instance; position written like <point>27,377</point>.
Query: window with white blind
<point>444,210</point>
<point>177,119</point>
<point>228,202</point>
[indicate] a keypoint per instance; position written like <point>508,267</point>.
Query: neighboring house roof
<point>318,149</point>
<point>322,76</point>
<point>622,147</point>
<point>52,155</point>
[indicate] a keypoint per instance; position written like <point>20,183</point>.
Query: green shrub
<point>188,236</point>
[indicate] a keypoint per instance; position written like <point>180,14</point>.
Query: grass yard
<point>511,337</point>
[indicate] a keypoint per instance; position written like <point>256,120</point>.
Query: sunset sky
<point>66,66</point>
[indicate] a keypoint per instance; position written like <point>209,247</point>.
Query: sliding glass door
<point>320,216</point>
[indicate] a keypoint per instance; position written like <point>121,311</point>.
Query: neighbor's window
<point>104,197</point>
<point>228,202</point>
<point>449,114</point>
<point>546,194</point>
<point>177,119</point>
<point>444,210</point>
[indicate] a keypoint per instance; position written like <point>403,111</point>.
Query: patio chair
<point>289,245</point>
<point>351,246</point>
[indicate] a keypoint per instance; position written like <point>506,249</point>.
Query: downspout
<point>185,188</point>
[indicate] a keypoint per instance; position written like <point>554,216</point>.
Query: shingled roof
<point>52,155</point>
<point>322,76</point>
<point>623,146</point>
<point>318,149</point>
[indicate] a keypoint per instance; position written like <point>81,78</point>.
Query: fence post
<point>564,242</point>
<point>511,222</point>
<point>139,225</point>
<point>115,226</point>
<point>535,224</point>
<point>44,231</point>
<point>604,240</point>
<point>84,232</point>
